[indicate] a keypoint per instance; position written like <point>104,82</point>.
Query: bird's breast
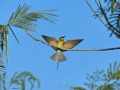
<point>60,44</point>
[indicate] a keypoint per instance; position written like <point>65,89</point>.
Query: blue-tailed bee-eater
<point>60,46</point>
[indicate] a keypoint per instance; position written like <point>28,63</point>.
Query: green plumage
<point>59,46</point>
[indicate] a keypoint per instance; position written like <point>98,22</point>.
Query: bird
<point>60,46</point>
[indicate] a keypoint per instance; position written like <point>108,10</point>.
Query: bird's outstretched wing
<point>51,40</point>
<point>71,43</point>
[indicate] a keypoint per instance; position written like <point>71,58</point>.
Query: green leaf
<point>20,79</point>
<point>26,21</point>
<point>77,88</point>
<point>3,32</point>
<point>13,34</point>
<point>7,47</point>
<point>110,70</point>
<point>114,68</point>
<point>112,6</point>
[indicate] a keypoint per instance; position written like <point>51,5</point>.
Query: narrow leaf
<point>7,47</point>
<point>114,68</point>
<point>14,34</point>
<point>112,6</point>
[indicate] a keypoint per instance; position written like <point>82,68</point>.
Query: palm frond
<point>77,88</point>
<point>24,20</point>
<point>4,39</point>
<point>2,74</point>
<point>111,4</point>
<point>20,79</point>
<point>13,34</point>
<point>113,71</point>
<point>2,36</point>
<point>6,47</point>
<point>110,79</point>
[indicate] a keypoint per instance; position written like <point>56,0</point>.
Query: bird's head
<point>62,38</point>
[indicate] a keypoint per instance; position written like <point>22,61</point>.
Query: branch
<point>108,25</point>
<point>91,49</point>
<point>38,39</point>
<point>106,18</point>
<point>96,13</point>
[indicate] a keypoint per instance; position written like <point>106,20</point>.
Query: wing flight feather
<point>51,40</point>
<point>71,43</point>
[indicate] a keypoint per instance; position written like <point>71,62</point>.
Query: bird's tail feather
<point>58,57</point>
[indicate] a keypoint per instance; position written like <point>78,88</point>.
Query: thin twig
<point>96,14</point>
<point>106,18</point>
<point>108,25</point>
<point>91,49</point>
<point>37,39</point>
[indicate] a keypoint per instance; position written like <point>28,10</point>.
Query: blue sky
<point>75,21</point>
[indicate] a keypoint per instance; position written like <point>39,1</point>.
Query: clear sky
<point>75,21</point>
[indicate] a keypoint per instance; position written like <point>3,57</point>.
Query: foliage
<point>101,80</point>
<point>94,79</point>
<point>2,74</point>
<point>25,20</point>
<point>19,80</point>
<point>77,88</point>
<point>20,18</point>
<point>112,5</point>
<point>108,13</point>
<point>4,39</point>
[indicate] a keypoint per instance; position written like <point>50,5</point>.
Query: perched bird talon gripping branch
<point>60,45</point>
